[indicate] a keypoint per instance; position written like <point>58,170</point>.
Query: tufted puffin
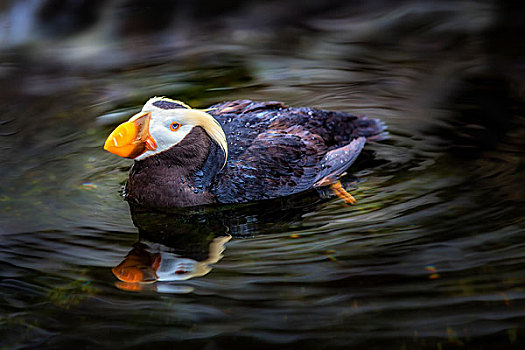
<point>236,152</point>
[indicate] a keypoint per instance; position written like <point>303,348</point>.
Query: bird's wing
<point>277,163</point>
<point>336,161</point>
<point>284,163</point>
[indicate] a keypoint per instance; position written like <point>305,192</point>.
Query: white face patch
<point>160,131</point>
<point>165,137</point>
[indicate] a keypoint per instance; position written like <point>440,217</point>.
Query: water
<point>430,257</point>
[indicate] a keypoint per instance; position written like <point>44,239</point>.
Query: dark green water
<point>432,256</point>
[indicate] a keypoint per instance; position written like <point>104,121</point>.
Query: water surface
<point>431,256</point>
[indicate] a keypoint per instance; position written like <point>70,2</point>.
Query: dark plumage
<point>274,150</point>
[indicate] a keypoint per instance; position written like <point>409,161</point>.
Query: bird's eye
<point>174,126</point>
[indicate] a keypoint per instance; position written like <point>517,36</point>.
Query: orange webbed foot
<point>340,192</point>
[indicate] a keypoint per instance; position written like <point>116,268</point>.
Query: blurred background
<point>431,257</point>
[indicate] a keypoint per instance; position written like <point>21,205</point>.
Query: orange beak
<point>132,138</point>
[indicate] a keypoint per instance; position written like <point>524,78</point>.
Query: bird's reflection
<point>150,262</point>
<point>181,244</point>
<point>172,247</point>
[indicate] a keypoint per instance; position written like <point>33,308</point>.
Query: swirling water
<point>431,256</point>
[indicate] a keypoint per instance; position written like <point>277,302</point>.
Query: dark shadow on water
<point>484,134</point>
<point>484,111</point>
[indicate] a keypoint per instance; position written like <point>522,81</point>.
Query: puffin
<point>236,152</point>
